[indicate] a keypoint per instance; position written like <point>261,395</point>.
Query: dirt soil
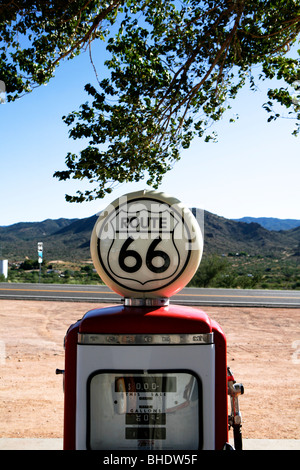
<point>263,353</point>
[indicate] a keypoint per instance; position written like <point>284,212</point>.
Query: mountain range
<point>69,239</point>
<point>272,223</point>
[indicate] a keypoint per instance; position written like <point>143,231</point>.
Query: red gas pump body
<point>146,246</point>
<point>131,320</point>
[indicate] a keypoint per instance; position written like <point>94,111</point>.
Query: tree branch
<point>99,18</point>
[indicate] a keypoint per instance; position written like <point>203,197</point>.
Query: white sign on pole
<point>40,251</point>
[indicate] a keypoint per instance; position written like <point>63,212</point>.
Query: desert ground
<point>263,352</point>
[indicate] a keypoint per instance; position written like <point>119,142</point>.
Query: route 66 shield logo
<point>146,245</point>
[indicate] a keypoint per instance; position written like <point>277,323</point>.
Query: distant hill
<point>271,223</point>
<point>20,240</point>
<point>224,235</point>
<point>69,239</point>
<point>31,230</point>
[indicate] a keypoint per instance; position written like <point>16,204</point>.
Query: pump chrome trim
<point>145,339</point>
<point>140,302</point>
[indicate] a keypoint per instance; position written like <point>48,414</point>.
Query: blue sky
<point>253,170</point>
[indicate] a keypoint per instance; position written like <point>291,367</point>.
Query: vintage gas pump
<point>146,374</point>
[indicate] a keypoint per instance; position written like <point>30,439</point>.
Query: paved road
<point>188,296</point>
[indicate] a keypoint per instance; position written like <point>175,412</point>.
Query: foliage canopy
<point>173,68</point>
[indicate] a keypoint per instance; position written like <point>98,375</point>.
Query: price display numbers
<point>146,244</point>
<point>145,415</point>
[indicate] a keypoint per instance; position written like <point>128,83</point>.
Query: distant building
<point>4,267</point>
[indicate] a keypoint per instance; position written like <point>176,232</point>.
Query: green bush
<point>209,269</point>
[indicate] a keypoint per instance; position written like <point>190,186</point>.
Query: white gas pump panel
<point>163,402</point>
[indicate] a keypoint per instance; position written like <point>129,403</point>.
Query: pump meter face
<point>144,410</point>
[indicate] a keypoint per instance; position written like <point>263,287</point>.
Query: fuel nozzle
<point>238,389</point>
<point>62,372</point>
<point>235,418</point>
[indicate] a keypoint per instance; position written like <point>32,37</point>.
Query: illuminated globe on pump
<point>146,245</point>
